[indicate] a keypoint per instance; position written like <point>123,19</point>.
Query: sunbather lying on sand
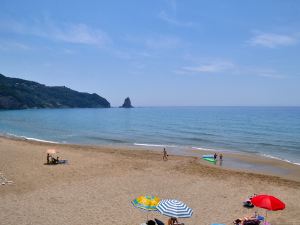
<point>247,221</point>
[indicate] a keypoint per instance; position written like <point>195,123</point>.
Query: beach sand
<point>99,183</point>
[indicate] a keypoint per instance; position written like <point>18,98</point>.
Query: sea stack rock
<point>127,103</point>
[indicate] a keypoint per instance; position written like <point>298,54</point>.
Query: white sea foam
<point>30,139</point>
<point>281,159</point>
<point>39,140</point>
<point>204,149</point>
<point>154,145</point>
<point>11,135</point>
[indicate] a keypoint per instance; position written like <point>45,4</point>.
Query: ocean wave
<point>204,149</point>
<point>195,139</point>
<point>213,149</point>
<point>29,138</point>
<point>197,133</point>
<point>268,144</point>
<point>286,146</point>
<point>281,159</point>
<point>112,140</point>
<point>39,140</point>
<point>155,145</point>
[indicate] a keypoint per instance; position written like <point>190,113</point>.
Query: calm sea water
<point>269,131</point>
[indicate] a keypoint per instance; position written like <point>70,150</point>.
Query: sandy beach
<point>99,183</point>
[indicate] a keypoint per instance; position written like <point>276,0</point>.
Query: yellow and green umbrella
<point>146,202</point>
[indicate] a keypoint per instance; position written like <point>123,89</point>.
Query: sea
<point>272,132</point>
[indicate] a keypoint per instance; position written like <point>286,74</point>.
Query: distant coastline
<point>23,94</point>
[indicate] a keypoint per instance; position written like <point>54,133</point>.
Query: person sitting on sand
<point>247,203</point>
<point>165,155</point>
<point>174,221</point>
<point>150,222</point>
<point>54,160</point>
<point>48,158</point>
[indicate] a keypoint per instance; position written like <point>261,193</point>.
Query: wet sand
<point>98,184</point>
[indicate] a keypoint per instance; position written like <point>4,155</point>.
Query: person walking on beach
<point>165,155</point>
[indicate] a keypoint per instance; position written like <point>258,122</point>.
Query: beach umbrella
<point>146,202</point>
<point>51,151</point>
<point>268,202</point>
<point>174,208</point>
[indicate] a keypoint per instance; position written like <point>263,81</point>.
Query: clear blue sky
<point>160,52</point>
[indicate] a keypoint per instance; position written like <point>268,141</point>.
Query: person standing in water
<point>215,156</point>
<point>221,159</point>
<point>165,155</point>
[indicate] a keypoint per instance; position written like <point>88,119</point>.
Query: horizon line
<point>152,106</point>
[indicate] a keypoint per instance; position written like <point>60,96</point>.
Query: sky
<point>160,52</point>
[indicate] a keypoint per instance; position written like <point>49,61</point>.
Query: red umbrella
<point>268,202</point>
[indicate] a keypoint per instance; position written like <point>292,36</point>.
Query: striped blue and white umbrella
<point>174,208</point>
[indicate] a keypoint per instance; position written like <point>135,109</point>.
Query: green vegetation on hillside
<point>22,94</point>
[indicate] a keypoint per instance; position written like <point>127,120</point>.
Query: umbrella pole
<point>266,217</point>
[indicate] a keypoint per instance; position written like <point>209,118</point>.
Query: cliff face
<point>127,103</point>
<point>22,94</point>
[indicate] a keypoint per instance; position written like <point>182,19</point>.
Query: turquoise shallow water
<point>269,131</point>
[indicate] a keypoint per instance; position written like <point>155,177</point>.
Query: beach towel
<point>63,161</point>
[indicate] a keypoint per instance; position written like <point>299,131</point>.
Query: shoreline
<point>233,161</point>
<point>185,149</point>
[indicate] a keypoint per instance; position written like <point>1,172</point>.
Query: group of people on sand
<point>254,219</point>
<point>165,156</point>
<point>220,156</point>
<point>51,159</point>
